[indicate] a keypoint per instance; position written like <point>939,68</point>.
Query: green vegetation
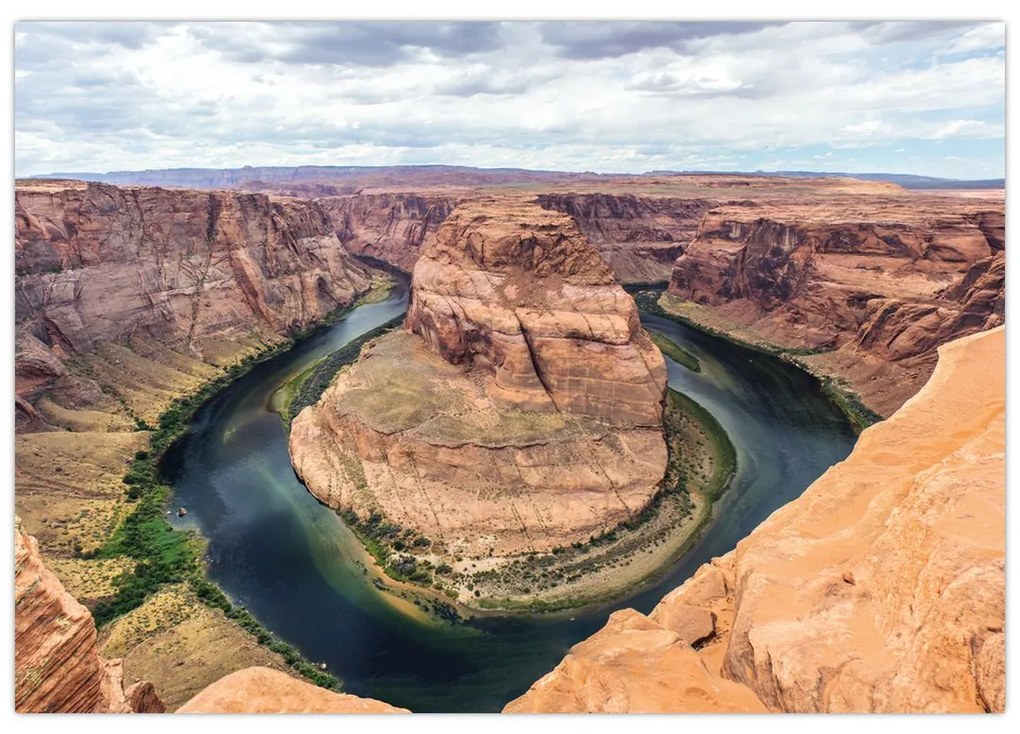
<point>163,555</point>
<point>849,403</point>
<point>675,352</point>
<point>859,414</point>
<point>307,388</point>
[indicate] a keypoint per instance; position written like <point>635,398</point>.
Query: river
<point>297,568</point>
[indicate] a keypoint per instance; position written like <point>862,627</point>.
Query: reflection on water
<point>300,571</point>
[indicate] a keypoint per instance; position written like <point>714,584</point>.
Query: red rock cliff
<point>57,667</point>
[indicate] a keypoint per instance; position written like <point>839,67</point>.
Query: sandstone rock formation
<point>392,227</point>
<point>98,264</point>
<point>522,409</point>
<point>268,691</point>
<point>883,280</point>
<point>881,589</point>
<point>638,236</point>
<point>57,666</point>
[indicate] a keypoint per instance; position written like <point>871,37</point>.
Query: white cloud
<point>597,97</point>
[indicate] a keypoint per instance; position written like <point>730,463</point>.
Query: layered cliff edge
<point>872,292</point>
<point>153,269</point>
<point>521,409</point>
<point>882,588</point>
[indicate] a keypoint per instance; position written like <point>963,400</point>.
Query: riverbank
<point>153,560</point>
<point>702,461</point>
<point>836,388</point>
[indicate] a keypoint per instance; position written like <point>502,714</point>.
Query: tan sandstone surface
<point>882,588</point>
<point>521,410</point>
<point>267,691</point>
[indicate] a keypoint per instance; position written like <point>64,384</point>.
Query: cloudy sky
<point>906,97</point>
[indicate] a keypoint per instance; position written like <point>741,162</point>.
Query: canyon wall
<point>520,410</point>
<point>638,236</point>
<point>127,299</point>
<point>880,287</point>
<point>393,228</point>
<point>185,270</point>
<point>880,589</point>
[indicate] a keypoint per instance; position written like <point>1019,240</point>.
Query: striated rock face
<point>268,691</point>
<point>884,285</point>
<point>638,236</point>
<point>96,263</point>
<point>521,410</point>
<point>57,667</point>
<point>515,290</point>
<point>99,264</point>
<point>394,228</point>
<point>881,589</point>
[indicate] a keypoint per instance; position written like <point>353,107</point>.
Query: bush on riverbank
<point>164,555</point>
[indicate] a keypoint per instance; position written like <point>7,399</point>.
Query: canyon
<point>127,300</point>
<point>519,411</point>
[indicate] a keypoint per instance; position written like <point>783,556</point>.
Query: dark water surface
<point>295,566</point>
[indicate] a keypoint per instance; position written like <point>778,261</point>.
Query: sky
<point>921,97</point>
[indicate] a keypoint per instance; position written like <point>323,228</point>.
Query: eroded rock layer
<point>521,410</point>
<point>638,236</point>
<point>882,588</point>
<point>393,228</point>
<point>97,264</point>
<point>882,281</point>
<point>57,666</point>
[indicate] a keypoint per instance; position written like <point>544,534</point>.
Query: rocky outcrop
<point>57,666</point>
<point>638,236</point>
<point>268,691</point>
<point>884,284</point>
<point>516,291</point>
<point>394,228</point>
<point>521,410</point>
<point>881,589</point>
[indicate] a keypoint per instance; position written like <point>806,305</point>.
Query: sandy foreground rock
<point>267,691</point>
<point>881,589</point>
<point>521,410</point>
